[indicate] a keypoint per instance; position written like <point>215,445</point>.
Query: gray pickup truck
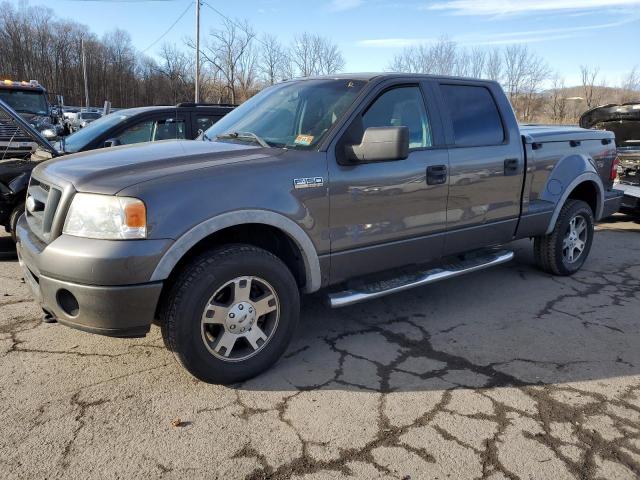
<point>361,185</point>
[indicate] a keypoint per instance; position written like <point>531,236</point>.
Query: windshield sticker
<point>304,140</point>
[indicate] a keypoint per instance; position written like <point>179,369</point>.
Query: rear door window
<point>474,115</point>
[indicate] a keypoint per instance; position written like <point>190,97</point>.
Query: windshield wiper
<point>244,136</point>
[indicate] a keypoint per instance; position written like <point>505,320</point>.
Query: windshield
<point>292,114</point>
<point>26,101</point>
<point>80,139</point>
<point>90,116</point>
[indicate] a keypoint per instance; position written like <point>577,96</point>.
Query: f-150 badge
<point>308,182</point>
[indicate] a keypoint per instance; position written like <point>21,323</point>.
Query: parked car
<point>123,127</point>
<point>216,239</point>
<point>82,119</point>
<point>144,124</point>
<point>624,121</point>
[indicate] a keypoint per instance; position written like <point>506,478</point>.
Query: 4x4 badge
<point>311,182</point>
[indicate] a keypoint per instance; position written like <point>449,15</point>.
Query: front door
<point>384,214</point>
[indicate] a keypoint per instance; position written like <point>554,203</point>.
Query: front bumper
<point>120,310</point>
<point>612,201</point>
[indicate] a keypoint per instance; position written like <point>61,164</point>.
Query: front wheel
<point>565,249</point>
<point>231,313</point>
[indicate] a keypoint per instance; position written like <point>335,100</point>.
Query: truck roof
<point>32,85</point>
<point>368,76</point>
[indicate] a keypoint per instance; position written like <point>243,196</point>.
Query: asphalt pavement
<point>504,373</point>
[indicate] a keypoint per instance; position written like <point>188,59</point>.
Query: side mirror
<point>380,144</point>
<point>112,142</point>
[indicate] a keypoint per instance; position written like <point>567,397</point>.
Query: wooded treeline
<point>236,62</point>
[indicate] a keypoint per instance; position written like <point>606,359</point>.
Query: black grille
<point>10,132</point>
<point>14,141</point>
<point>42,204</point>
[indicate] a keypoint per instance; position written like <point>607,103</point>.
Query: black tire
<point>190,293</point>
<point>13,220</point>
<point>548,249</point>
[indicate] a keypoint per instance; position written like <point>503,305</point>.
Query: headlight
<point>49,133</point>
<point>106,217</point>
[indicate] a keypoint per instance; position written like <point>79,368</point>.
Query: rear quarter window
<point>474,115</point>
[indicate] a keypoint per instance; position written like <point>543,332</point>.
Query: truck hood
<point>112,169</point>
<point>623,120</point>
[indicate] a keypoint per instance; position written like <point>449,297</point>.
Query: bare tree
<point>558,102</point>
<point>533,101</point>
<point>589,78</point>
<point>313,54</point>
<point>227,51</point>
<point>463,65</point>
<point>515,70</point>
<point>176,67</point>
<point>494,68</point>
<point>478,62</point>
<point>273,59</point>
<point>440,58</point>
<point>631,86</point>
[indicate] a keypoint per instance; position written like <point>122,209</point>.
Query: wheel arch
<point>586,187</point>
<point>238,224</point>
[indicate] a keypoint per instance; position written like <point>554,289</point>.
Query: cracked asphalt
<point>505,373</point>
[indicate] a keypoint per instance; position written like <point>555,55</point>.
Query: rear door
<point>388,214</point>
<point>486,165</point>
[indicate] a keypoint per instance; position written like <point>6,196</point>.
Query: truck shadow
<point>509,326</point>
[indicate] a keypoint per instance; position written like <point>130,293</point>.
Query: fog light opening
<point>68,303</point>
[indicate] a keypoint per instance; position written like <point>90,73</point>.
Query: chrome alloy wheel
<point>240,318</point>
<point>575,239</point>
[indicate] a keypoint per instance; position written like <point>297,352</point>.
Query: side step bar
<point>378,289</point>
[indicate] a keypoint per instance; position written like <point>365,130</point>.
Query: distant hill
<point>601,94</point>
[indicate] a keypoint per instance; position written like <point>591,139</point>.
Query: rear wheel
<point>565,249</point>
<point>13,220</point>
<point>231,313</point>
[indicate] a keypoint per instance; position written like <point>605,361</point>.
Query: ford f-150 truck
<point>361,185</point>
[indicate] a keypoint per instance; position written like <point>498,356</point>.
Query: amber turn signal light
<point>135,215</point>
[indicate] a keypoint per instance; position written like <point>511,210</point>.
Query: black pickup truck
<point>361,185</point>
<point>124,127</point>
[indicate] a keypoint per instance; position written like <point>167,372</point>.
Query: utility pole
<point>84,73</point>
<point>197,95</point>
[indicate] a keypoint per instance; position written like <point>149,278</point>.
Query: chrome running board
<point>474,262</point>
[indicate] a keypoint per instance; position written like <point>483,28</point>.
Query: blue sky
<point>567,33</point>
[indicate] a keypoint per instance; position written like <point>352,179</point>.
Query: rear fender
<point>568,173</point>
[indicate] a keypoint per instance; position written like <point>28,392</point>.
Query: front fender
<point>568,173</point>
<point>243,217</point>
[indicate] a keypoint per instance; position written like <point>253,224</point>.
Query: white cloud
<point>505,7</point>
<point>506,38</point>
<point>342,5</point>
